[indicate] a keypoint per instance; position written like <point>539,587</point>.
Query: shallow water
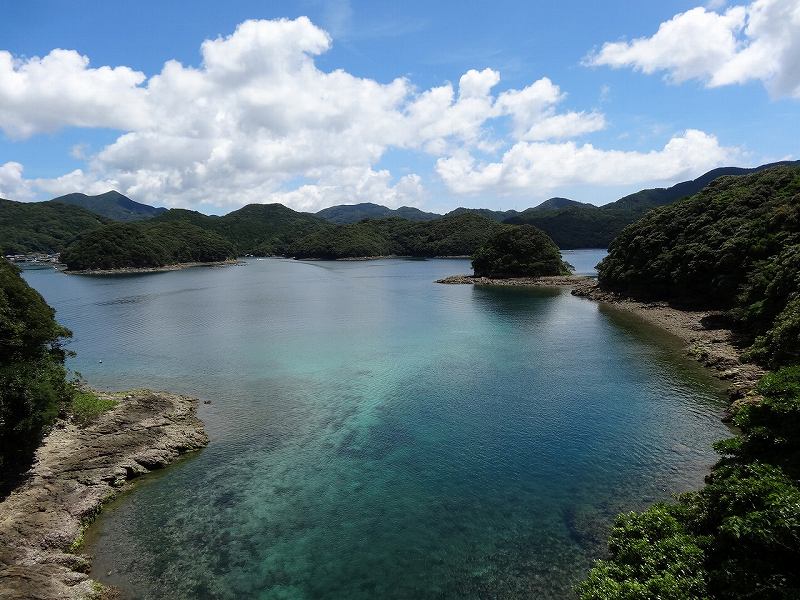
<point>375,435</point>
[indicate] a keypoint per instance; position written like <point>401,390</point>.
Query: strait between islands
<point>78,469</point>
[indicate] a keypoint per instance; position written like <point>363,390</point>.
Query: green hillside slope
<point>42,227</point>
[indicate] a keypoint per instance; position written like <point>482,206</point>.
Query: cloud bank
<point>757,42</point>
<point>258,121</point>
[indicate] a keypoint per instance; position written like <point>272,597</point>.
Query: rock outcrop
<point>77,469</point>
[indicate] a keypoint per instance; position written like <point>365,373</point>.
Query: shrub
<point>87,406</point>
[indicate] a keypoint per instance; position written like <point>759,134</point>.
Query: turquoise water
<point>376,435</point>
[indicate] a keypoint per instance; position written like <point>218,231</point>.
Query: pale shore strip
<point>175,267</point>
<point>713,346</point>
<point>76,471</point>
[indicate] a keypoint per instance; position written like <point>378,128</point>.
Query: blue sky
<point>634,103</point>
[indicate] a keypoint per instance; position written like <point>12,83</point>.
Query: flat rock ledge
<point>551,281</point>
<point>77,470</point>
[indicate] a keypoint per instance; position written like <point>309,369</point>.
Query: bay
<point>376,435</point>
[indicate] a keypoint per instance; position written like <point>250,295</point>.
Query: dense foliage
<point>587,226</point>
<point>258,229</point>
<point>32,377</point>
<point>145,244</point>
<point>41,226</point>
<point>456,235</point>
<point>578,226</point>
<point>501,216</point>
<point>521,251</point>
<point>739,537</point>
<point>735,246</point>
<point>371,237</point>
<point>272,229</point>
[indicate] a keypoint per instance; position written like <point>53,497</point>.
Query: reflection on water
<point>375,435</point>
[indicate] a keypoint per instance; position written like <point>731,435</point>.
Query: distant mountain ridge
<point>112,205</point>
<point>589,226</point>
<point>353,213</point>
<point>660,196</point>
<point>275,229</point>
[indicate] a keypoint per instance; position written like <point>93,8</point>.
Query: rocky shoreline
<point>551,281</point>
<point>175,267</point>
<point>77,470</point>
<point>715,347</point>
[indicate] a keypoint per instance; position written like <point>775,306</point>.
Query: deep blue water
<point>376,435</point>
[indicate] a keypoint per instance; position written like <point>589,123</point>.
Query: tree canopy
<point>32,376</point>
<point>42,226</point>
<point>522,251</point>
<point>734,246</point>
<point>453,235</point>
<point>145,244</point>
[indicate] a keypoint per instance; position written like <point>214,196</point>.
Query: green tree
<point>33,384</point>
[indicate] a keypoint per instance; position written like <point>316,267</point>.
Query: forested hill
<point>453,235</point>
<point>258,229</point>
<point>111,205</point>
<point>179,235</point>
<point>41,226</point>
<point>145,244</point>
<point>353,213</point>
<point>650,198</point>
<point>735,245</point>
<point>588,226</point>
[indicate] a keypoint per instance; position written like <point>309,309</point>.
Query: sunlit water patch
<point>376,435</point>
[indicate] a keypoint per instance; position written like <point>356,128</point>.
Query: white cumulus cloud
<point>12,184</point>
<point>545,166</point>
<point>757,42</point>
<point>44,94</point>
<point>257,120</point>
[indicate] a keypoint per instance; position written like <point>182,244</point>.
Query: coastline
<point>164,268</point>
<point>382,257</point>
<point>549,281</point>
<point>76,471</point>
<point>713,347</point>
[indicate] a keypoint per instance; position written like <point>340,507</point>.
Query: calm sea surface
<point>376,435</point>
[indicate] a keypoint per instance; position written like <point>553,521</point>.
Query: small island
<point>522,251</point>
<point>518,255</point>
